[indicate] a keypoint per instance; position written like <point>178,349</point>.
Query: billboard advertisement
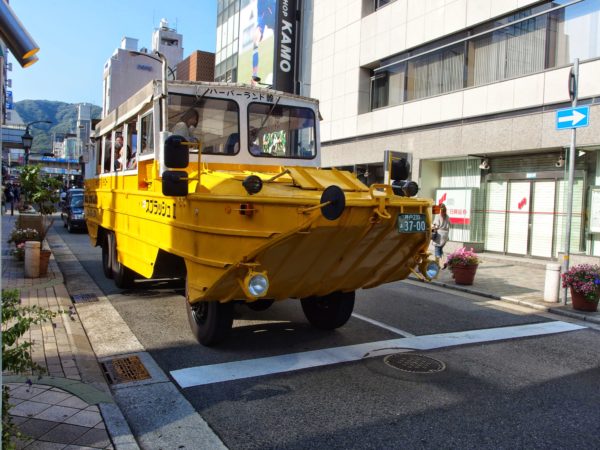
<point>267,43</point>
<point>257,41</point>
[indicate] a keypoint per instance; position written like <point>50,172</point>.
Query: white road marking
<point>383,325</point>
<point>237,370</point>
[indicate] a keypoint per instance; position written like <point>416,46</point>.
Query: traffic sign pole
<point>573,88</point>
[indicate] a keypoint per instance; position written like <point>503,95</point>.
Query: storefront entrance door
<point>518,215</point>
<point>523,217</point>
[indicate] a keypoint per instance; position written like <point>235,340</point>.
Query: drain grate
<point>125,370</point>
<point>84,298</point>
<point>410,362</point>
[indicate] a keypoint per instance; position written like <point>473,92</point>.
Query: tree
<point>41,190</point>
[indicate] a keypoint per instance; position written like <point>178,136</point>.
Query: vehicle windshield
<point>281,131</point>
<point>212,123</point>
<point>77,201</point>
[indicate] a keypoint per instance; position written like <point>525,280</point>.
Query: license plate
<point>411,223</point>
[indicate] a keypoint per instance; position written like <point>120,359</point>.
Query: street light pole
<point>27,139</point>
<point>573,93</point>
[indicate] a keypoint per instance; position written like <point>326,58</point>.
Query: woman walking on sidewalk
<point>441,231</point>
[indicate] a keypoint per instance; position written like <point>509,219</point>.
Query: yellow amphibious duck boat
<point>221,184</point>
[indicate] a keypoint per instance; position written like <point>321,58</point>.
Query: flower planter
<point>581,304</point>
<point>464,274</point>
<point>44,260</point>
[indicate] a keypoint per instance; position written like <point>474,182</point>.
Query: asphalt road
<point>540,391</point>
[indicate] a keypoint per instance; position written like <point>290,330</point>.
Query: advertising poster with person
<point>257,41</point>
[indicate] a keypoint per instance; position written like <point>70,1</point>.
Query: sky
<point>76,38</point>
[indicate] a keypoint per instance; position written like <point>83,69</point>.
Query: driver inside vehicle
<point>255,148</point>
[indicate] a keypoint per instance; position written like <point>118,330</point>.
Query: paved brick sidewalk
<point>64,408</point>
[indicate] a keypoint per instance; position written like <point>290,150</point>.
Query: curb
<point>541,307</point>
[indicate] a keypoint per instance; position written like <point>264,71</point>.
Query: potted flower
<point>584,282</point>
<point>463,263</point>
<point>20,235</point>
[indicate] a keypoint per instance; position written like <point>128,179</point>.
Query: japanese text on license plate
<point>411,223</point>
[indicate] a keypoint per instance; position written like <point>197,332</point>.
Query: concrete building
<point>199,66</point>
<point>470,89</point>
<point>128,69</point>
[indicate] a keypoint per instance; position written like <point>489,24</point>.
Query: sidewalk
<point>515,280</point>
<point>71,406</point>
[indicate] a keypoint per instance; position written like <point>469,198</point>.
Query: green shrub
<point>16,352</point>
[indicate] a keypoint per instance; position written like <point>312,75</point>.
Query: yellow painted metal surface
<point>222,232</point>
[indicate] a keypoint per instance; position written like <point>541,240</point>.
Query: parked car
<point>72,214</point>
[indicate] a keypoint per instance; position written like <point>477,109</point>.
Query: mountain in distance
<point>62,115</point>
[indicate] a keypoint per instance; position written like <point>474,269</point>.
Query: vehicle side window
<point>132,142</point>
<point>147,135</point>
<point>106,152</point>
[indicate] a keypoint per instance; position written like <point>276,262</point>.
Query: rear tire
<point>106,265</point>
<point>122,275</point>
<point>210,322</point>
<point>329,311</point>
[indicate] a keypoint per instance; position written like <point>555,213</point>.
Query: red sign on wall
<point>458,204</point>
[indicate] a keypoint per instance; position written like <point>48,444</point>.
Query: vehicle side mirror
<point>177,154</point>
<point>175,183</point>
<point>400,169</point>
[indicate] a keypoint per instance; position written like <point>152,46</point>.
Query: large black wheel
<point>106,265</point>
<point>122,275</point>
<point>210,321</point>
<point>69,226</point>
<point>330,311</point>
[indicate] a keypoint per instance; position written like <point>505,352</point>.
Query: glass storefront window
<point>575,31</point>
<point>436,73</point>
<point>552,39</point>
<point>513,51</point>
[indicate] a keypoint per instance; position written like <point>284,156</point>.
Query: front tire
<point>210,322</point>
<point>329,311</point>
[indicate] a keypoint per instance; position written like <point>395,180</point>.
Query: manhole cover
<point>84,298</point>
<point>410,362</point>
<point>124,370</point>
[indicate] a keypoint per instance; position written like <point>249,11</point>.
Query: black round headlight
<point>253,184</point>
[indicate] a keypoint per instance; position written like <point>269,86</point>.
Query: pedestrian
<point>441,231</point>
<point>3,199</point>
<point>10,198</point>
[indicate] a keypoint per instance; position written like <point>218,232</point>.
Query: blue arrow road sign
<point>573,117</point>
